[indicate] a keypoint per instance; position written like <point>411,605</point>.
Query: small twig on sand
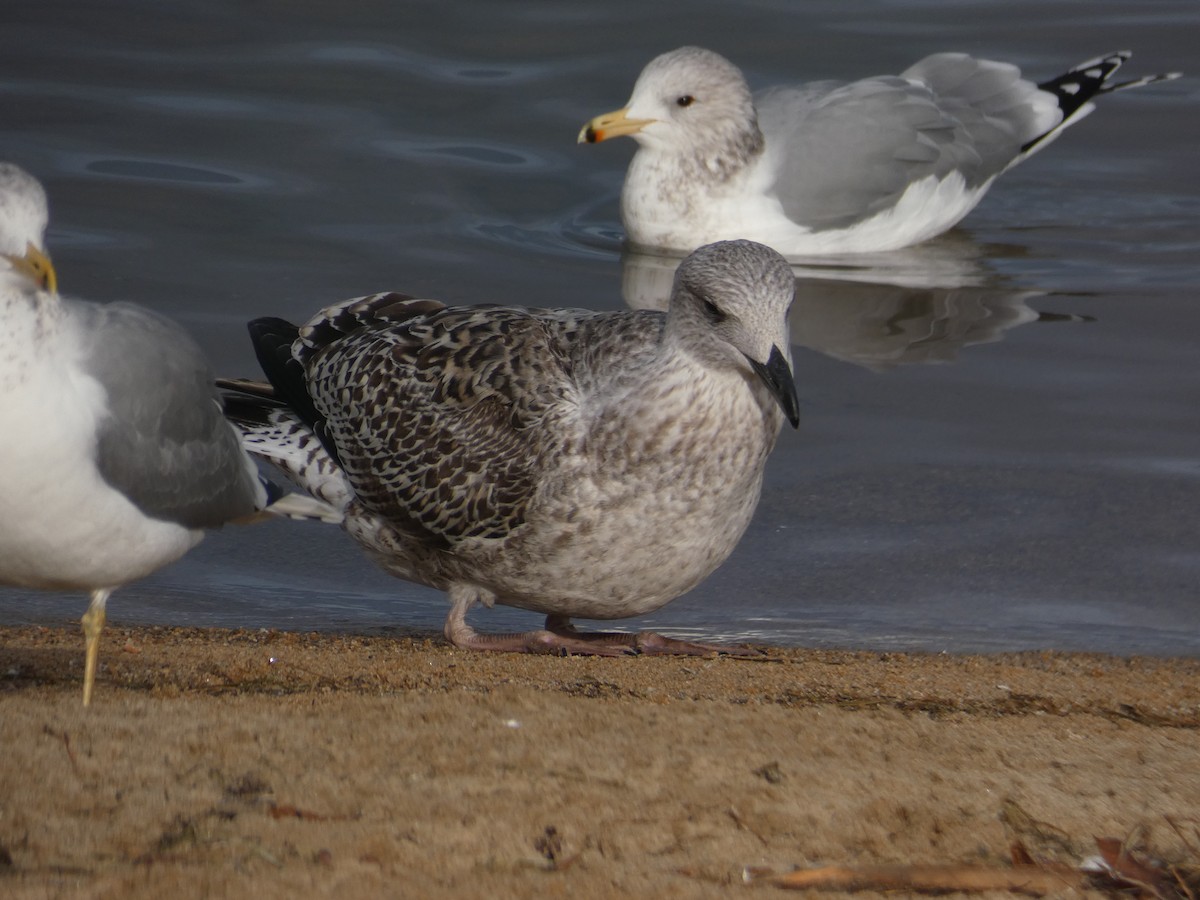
<point>744,825</point>
<point>66,739</point>
<point>1035,881</point>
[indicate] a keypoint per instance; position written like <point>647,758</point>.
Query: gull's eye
<point>685,100</point>
<point>714,315</point>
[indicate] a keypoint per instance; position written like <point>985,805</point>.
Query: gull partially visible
<point>831,167</point>
<point>115,456</point>
<point>573,463</point>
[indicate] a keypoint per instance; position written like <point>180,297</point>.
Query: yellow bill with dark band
<point>36,266</point>
<point>610,125</point>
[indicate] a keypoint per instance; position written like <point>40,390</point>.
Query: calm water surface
<point>1000,446</point>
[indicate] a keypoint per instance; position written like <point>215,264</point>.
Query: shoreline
<point>227,762</point>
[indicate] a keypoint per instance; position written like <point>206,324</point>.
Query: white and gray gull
<point>115,456</point>
<point>831,167</point>
<point>573,463</point>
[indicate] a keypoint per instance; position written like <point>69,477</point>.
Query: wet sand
<point>239,763</point>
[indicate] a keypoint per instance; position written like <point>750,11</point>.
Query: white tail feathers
<point>299,506</point>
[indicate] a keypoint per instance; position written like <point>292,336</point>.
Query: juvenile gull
<point>115,456</point>
<point>568,462</point>
<point>830,167</point>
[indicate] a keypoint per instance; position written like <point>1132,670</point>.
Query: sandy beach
<point>240,763</point>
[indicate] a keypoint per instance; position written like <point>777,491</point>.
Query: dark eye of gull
<point>714,315</point>
<point>685,100</point>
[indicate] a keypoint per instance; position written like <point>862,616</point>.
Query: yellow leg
<point>93,624</point>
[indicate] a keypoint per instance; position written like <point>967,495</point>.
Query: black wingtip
<point>272,339</point>
<point>1084,81</point>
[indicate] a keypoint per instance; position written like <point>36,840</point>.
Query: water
<point>1000,446</point>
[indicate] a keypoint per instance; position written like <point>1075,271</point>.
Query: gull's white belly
<point>61,525</point>
<point>927,208</point>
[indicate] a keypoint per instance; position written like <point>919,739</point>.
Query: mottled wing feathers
<point>443,418</point>
<point>607,349</point>
<point>373,311</point>
<point>163,442</point>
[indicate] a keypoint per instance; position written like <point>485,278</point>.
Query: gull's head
<point>730,304</point>
<point>688,99</point>
<point>24,215</point>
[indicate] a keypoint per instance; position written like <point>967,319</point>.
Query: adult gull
<point>830,167</point>
<point>115,456</point>
<point>568,462</point>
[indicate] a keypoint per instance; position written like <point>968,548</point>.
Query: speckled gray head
<point>693,101</point>
<point>24,215</point>
<point>23,210</point>
<point>736,296</point>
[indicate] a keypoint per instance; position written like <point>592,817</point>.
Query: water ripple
<point>187,174</point>
<point>434,68</point>
<point>475,154</point>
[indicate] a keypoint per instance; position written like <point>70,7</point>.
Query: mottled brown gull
<point>114,456</point>
<point>573,463</point>
<point>831,167</point>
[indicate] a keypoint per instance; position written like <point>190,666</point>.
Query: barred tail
<point>273,432</point>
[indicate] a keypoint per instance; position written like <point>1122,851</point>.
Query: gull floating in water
<point>115,455</point>
<point>563,461</point>
<point>830,167</point>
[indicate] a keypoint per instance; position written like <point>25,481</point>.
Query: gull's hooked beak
<point>611,125</point>
<point>777,376</point>
<point>36,266</point>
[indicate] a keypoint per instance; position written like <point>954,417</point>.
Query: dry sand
<point>270,764</point>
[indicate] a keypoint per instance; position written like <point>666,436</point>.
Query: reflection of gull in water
<point>953,260</point>
<point>114,456</point>
<point>880,326</point>
<point>859,314</point>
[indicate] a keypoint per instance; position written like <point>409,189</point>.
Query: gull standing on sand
<point>563,461</point>
<point>830,167</point>
<point>115,456</point>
